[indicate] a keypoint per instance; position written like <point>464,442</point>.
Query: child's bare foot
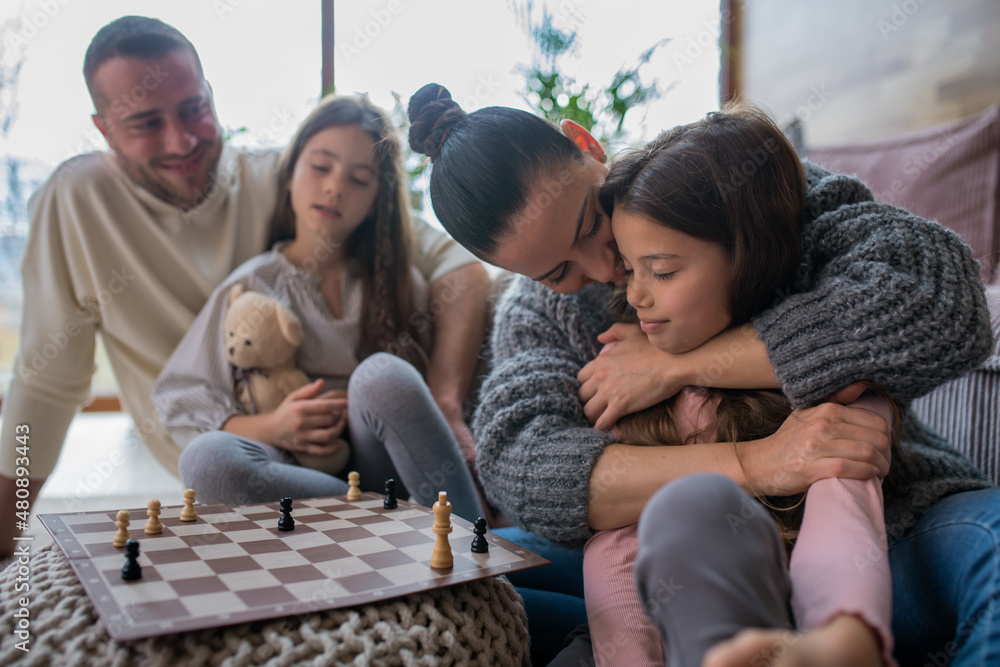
<point>846,641</point>
<point>751,648</point>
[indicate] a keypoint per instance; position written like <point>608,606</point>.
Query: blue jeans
<point>946,584</point>
<point>553,594</point>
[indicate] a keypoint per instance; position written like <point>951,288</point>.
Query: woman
<point>522,195</point>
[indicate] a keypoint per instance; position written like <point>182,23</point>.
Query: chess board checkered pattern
<point>233,565</point>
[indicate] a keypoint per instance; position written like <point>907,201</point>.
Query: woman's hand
<point>628,375</point>
<point>308,421</point>
<point>828,440</point>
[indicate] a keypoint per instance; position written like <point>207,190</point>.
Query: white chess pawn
<point>354,493</point>
<point>153,525</point>
<point>188,513</point>
<point>122,521</point>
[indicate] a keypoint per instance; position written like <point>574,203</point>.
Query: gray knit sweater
<point>881,295</point>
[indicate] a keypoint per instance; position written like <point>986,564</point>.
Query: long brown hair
<point>732,179</point>
<point>382,245</point>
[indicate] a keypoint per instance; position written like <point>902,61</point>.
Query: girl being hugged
<point>707,220</point>
<point>342,263</point>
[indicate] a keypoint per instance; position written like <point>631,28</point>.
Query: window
<point>263,60</point>
<point>243,46</point>
<point>477,50</point>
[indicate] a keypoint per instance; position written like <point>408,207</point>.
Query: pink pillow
<point>949,173</point>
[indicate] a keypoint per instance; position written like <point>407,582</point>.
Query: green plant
<point>601,110</point>
<point>414,165</point>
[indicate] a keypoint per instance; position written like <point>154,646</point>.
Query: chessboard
<point>233,565</point>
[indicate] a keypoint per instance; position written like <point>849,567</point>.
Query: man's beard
<point>151,179</point>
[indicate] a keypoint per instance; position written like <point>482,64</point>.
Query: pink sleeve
<point>840,562</point>
<point>619,627</point>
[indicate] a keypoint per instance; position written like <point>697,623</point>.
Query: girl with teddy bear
<point>332,300</point>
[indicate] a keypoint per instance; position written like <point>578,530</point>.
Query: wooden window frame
<point>730,50</point>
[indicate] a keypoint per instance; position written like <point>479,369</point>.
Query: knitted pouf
<point>475,623</point>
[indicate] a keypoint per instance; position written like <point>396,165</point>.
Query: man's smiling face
<point>159,119</point>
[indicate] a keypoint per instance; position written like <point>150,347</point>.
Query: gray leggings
<point>395,429</point>
<point>691,530</point>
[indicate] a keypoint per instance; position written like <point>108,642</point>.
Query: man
<point>131,243</point>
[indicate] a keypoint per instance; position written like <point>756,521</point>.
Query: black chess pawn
<point>286,522</point>
<point>390,495</point>
<point>132,570</point>
<point>479,543</point>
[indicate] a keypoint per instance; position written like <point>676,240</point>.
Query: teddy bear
<point>261,336</point>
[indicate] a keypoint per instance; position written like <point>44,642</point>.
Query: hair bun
<point>432,114</point>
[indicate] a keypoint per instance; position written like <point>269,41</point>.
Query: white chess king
<point>441,557</point>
